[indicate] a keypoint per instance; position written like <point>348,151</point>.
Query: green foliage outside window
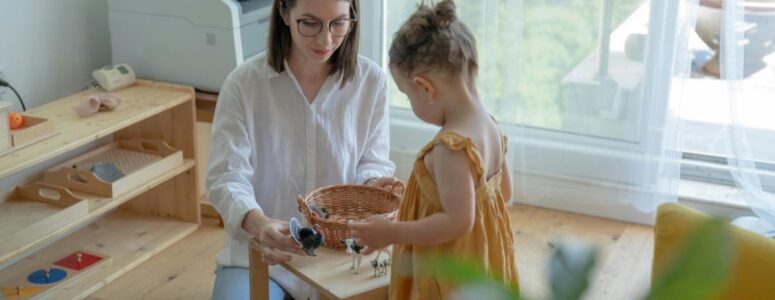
<point>524,51</point>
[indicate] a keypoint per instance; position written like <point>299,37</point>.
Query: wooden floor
<point>624,267</point>
<point>186,270</point>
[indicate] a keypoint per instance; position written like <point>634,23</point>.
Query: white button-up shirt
<point>269,144</point>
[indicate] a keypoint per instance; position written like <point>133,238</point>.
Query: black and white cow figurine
<point>355,250</point>
<point>383,267</point>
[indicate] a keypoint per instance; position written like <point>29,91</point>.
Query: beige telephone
<point>114,77</point>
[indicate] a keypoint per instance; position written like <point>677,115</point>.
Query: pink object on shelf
<point>97,102</point>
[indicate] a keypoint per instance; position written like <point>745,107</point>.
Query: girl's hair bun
<point>443,14</point>
<point>433,38</point>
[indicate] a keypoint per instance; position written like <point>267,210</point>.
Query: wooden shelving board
<point>139,102</point>
<point>98,207</point>
<point>127,238</point>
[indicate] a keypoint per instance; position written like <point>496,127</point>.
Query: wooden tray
<point>137,159</point>
<point>33,213</point>
<point>5,128</point>
<point>34,130</point>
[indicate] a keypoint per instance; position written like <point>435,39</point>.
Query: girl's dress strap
<point>456,142</point>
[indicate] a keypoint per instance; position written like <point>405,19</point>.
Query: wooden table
<point>329,272</point>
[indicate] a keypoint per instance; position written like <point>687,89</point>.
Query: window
<point>708,109</point>
<point>539,68</point>
<point>584,103</point>
<point>531,52</point>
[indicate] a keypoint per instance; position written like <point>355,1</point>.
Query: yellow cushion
<point>753,267</point>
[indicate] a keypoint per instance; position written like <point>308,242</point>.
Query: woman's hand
<point>387,183</point>
<point>374,233</point>
<point>274,237</point>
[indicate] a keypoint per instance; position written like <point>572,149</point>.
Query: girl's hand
<point>387,183</point>
<point>274,237</point>
<point>374,233</point>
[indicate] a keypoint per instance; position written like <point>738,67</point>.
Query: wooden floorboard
<point>185,270</point>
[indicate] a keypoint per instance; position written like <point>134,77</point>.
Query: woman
<point>311,113</point>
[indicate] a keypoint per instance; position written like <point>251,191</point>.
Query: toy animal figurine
<point>355,250</point>
<point>309,238</point>
<point>383,267</point>
<point>375,265</point>
<point>380,268</point>
<point>320,211</point>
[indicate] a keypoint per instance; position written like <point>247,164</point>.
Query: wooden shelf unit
<point>146,215</point>
<point>128,238</point>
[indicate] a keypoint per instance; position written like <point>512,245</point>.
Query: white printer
<point>192,42</point>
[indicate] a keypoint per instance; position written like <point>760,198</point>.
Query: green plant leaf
<point>569,269</point>
<point>470,275</point>
<point>701,269</point>
<point>489,290</point>
<point>455,269</point>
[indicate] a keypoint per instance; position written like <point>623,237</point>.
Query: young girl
<point>455,199</point>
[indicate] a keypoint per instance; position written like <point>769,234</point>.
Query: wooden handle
<point>48,193</point>
<point>304,208</point>
<point>392,189</point>
<point>74,176</point>
<point>155,147</point>
<point>79,180</point>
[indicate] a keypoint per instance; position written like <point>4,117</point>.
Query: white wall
<point>371,22</point>
<point>48,48</point>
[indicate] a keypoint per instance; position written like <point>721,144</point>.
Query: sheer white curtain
<point>665,105</point>
<point>724,106</point>
<point>615,153</point>
<point>601,99</point>
<point>750,85</point>
<point>582,88</point>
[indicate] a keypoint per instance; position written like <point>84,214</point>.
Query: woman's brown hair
<point>279,43</point>
<point>434,39</point>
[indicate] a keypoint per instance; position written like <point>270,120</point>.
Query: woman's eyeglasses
<point>312,27</point>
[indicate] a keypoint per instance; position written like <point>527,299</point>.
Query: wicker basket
<point>345,203</point>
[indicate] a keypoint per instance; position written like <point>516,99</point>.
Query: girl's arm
<point>455,181</point>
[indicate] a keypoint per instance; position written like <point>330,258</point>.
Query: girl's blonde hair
<point>434,39</point>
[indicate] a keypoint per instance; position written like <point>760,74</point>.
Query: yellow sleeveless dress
<point>490,243</point>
